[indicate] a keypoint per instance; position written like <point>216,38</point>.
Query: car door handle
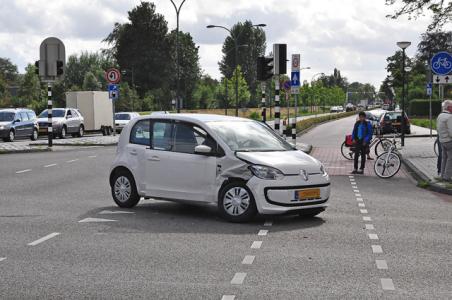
<point>133,152</point>
<point>154,158</point>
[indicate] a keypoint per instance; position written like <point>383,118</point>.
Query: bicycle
<point>388,163</point>
<point>381,145</point>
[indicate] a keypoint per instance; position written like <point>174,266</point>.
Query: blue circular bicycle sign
<point>442,63</point>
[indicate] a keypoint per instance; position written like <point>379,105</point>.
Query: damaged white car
<point>241,165</point>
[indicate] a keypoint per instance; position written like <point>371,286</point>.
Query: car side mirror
<point>17,121</point>
<point>203,149</point>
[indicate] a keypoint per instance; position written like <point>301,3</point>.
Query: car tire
<point>81,131</point>
<point>311,213</point>
<point>124,190</point>
<point>11,136</point>
<point>34,136</point>
<point>236,203</point>
<point>63,132</point>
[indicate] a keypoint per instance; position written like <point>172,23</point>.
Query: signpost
<point>295,89</point>
<point>441,66</point>
<point>442,79</point>
<point>113,76</point>
<point>50,67</point>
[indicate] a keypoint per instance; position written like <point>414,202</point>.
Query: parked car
<point>349,107</point>
<point>340,108</point>
<point>18,123</point>
<point>391,121</point>
<point>123,118</point>
<point>241,165</point>
<point>64,121</point>
<point>334,109</point>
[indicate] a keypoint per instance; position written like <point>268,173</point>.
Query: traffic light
<point>60,66</point>
<point>264,68</point>
<point>37,67</point>
<point>280,59</point>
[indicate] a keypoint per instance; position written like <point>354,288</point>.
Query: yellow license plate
<point>307,194</point>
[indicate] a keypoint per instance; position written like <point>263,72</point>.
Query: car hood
<point>4,123</point>
<point>288,162</point>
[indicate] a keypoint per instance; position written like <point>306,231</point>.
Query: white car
<point>239,164</point>
<point>122,118</point>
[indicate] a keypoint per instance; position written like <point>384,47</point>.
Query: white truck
<point>95,107</point>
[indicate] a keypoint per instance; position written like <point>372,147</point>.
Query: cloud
<point>352,35</point>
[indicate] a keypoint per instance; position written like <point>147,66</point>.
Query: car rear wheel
<point>236,203</point>
<point>123,189</point>
<point>81,131</point>
<point>34,136</point>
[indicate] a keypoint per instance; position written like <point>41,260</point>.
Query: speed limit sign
<point>113,76</point>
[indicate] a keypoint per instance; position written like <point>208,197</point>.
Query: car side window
<point>74,113</point>
<point>18,117</point>
<point>68,114</point>
<point>161,135</point>
<point>24,116</point>
<point>31,115</point>
<point>140,133</point>
<point>187,137</point>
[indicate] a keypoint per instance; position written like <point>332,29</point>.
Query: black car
<point>18,122</point>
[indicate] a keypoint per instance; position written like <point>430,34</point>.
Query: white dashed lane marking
<point>363,211</point>
<point>238,278</point>
<point>228,297</point>
<point>92,156</point>
<point>43,239</point>
<point>95,220</point>
<point>361,205</point>
<point>51,165</point>
<point>72,160</point>
<point>377,249</point>
<point>262,232</point>
<point>370,227</point>
<point>381,264</point>
<point>268,223</point>
<point>2,258</point>
<point>373,236</point>
<point>256,245</point>
<point>387,284</point>
<point>248,260</point>
<point>359,199</point>
<point>367,219</point>
<point>23,171</point>
<point>356,191</point>
<point>358,195</point>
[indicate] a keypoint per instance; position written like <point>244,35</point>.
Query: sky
<point>352,35</point>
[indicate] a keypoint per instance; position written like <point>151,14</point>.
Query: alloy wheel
<point>236,201</point>
<point>122,189</point>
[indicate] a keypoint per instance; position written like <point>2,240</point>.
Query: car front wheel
<point>236,203</point>
<point>123,189</point>
<point>34,136</point>
<point>11,136</point>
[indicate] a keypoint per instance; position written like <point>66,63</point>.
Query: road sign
<point>441,63</point>
<point>286,85</point>
<point>295,62</point>
<point>113,91</point>
<point>429,89</point>
<point>446,79</point>
<point>113,76</point>
<point>295,78</point>
<point>52,59</point>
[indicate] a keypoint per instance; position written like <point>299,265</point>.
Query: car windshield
<point>122,117</point>
<point>393,116</point>
<point>56,113</point>
<point>6,116</point>
<point>249,136</point>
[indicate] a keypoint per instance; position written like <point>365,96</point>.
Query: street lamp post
<point>177,8</point>
<point>403,46</point>
<point>235,38</point>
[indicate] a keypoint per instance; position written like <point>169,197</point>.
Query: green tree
<point>128,99</point>
<point>90,82</point>
<point>441,10</point>
<point>79,65</point>
<point>143,45</point>
<point>433,42</point>
<point>8,71</point>
<point>205,93</point>
<point>5,97</point>
<point>252,44</point>
<point>29,93</point>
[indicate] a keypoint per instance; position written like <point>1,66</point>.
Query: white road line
<point>238,278</point>
<point>361,205</point>
<point>23,171</point>
<point>256,245</point>
<point>373,236</point>
<point>248,260</point>
<point>95,220</point>
<point>43,239</point>
<point>367,219</point>
<point>370,227</point>
<point>355,191</point>
<point>387,284</point>
<point>350,176</point>
<point>51,165</point>
<point>381,264</point>
<point>2,258</point>
<point>354,186</point>
<point>358,195</point>
<point>228,297</point>
<point>72,160</point>
<point>363,211</point>
<point>94,156</point>
<point>262,232</point>
<point>114,212</point>
<point>268,223</point>
<point>359,199</point>
<point>377,249</point>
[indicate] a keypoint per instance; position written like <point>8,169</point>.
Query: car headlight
<point>267,173</point>
<point>2,127</point>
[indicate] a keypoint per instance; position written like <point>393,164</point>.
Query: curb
<point>78,145</point>
<point>35,150</point>
<point>420,176</point>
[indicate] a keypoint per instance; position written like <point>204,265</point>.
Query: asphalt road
<point>162,250</point>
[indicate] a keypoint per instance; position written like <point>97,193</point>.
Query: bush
<point>255,115</point>
<point>308,123</point>
<point>421,107</point>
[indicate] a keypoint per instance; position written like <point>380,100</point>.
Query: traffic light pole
<point>49,114</point>
<point>294,122</point>
<point>277,107</point>
<point>264,109</point>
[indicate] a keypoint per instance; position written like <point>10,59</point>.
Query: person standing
<point>444,128</point>
<point>361,136</point>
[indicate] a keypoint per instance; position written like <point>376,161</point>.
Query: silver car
<point>64,121</point>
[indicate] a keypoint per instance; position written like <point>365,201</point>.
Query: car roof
<point>14,110</point>
<point>197,117</point>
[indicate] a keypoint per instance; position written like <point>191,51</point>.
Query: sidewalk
<point>420,158</point>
